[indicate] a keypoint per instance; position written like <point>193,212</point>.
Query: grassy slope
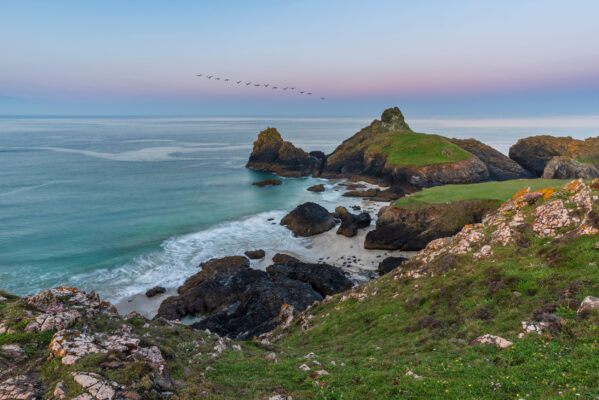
<point>418,149</point>
<point>476,191</point>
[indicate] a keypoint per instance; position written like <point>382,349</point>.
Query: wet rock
<point>268,182</point>
<point>308,219</point>
<point>215,267</point>
<point>376,194</point>
<point>316,188</point>
<point>389,264</point>
<point>255,254</point>
<point>589,304</point>
<point>493,340</point>
<point>155,291</point>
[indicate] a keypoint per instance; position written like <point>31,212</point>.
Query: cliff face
<point>500,167</point>
<point>535,152</point>
<point>272,154</point>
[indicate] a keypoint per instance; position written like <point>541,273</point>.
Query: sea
<point>119,205</point>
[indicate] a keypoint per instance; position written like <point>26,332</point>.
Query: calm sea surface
<point>122,204</point>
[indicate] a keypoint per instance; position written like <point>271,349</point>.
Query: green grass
<point>418,149</point>
<point>588,160</point>
<point>500,191</point>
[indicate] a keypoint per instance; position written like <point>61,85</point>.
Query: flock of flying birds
<point>264,85</point>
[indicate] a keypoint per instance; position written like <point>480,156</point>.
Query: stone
<point>389,264</point>
<point>20,387</point>
<point>59,391</point>
<point>570,168</point>
<point>316,188</point>
<point>589,304</point>
<point>155,291</point>
<point>14,351</point>
<point>255,254</point>
<point>350,223</point>
<point>488,339</point>
<point>308,219</point>
<point>304,367</point>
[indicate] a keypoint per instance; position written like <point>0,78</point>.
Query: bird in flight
<point>274,88</point>
<point>238,82</point>
<point>302,92</point>
<point>209,77</point>
<point>322,98</point>
<point>199,74</point>
<point>218,79</point>
<point>285,88</point>
<point>309,93</point>
<point>248,84</point>
<point>227,80</point>
<point>266,84</point>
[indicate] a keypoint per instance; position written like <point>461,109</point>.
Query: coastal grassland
<point>425,325</point>
<point>499,191</point>
<point>413,149</point>
<point>588,160</point>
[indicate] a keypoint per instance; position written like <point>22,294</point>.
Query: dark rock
<point>569,168</point>
<point>214,267</point>
<point>267,182</point>
<point>155,290</point>
<point>272,154</point>
<point>325,279</point>
<point>535,152</point>
<point>499,166</point>
<point>390,263</point>
<point>255,254</point>
<point>350,223</point>
<point>308,219</point>
<point>281,258</point>
<point>316,188</point>
<point>412,228</point>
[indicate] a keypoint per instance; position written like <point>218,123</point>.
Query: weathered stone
<point>308,219</point>
<point>496,341</point>
<point>155,291</point>
<point>588,305</point>
<point>255,254</point>
<point>389,264</point>
<point>316,188</point>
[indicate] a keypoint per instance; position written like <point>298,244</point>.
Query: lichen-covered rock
<point>21,387</point>
<point>308,219</point>
<point>588,305</point>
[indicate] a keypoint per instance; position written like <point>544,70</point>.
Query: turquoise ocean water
<point>122,204</point>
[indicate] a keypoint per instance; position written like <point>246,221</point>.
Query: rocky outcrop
<point>500,167</point>
<point>268,182</point>
<point>316,188</point>
<point>241,302</point>
<point>376,194</point>
<point>535,152</point>
<point>350,223</point>
<point>325,279</point>
<point>308,219</point>
<point>568,168</point>
<point>156,290</point>
<point>389,264</point>
<point>272,154</point>
<point>412,228</point>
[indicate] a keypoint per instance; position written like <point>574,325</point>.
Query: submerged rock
<point>267,182</point>
<point>308,219</point>
<point>255,254</point>
<point>316,188</point>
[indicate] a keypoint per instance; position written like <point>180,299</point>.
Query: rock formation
<point>350,223</point>
<point>535,152</point>
<point>272,154</point>
<point>568,168</point>
<point>308,219</point>
<point>268,182</point>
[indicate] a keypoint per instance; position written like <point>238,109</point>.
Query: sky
<point>432,58</point>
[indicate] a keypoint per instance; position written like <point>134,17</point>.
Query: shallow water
<point>122,204</point>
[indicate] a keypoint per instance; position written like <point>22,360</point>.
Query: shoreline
<point>347,253</point>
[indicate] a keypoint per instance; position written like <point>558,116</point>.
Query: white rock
<point>304,367</point>
<point>322,372</point>
<point>236,347</point>
<point>492,340</point>
<point>589,304</point>
<point>59,392</point>
<point>309,355</point>
<point>413,375</point>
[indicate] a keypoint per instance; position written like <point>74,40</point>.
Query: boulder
<point>493,340</point>
<point>155,291</point>
<point>376,194</point>
<point>350,223</point>
<point>308,219</point>
<point>535,152</point>
<point>588,305</point>
<point>412,228</point>
<point>316,188</point>
<point>390,263</point>
<point>255,254</point>
<point>500,167</point>
<point>272,154</point>
<point>569,168</point>
<point>268,182</point>
<point>325,279</point>
<point>215,267</point>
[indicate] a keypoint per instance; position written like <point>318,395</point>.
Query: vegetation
<point>418,149</point>
<point>500,191</point>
